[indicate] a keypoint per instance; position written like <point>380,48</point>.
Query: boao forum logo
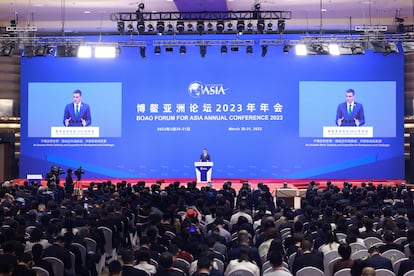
<point>197,89</point>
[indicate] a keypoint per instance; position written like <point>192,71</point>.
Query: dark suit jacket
<point>378,262</point>
<point>357,113</point>
<point>205,158</point>
<point>61,253</point>
<point>406,266</point>
<point>132,271</point>
<point>84,113</point>
<point>314,259</point>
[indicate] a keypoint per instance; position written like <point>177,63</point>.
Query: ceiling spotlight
<point>223,49</point>
<point>67,51</point>
<point>170,28</point>
<point>84,51</point>
<point>120,25</point>
<point>357,50</point>
<point>150,28</point>
<point>286,49</point>
<point>240,26</point>
<point>189,27</point>
<point>264,50</point>
<point>260,25</point>
<point>269,27</point>
<point>141,6</point>
<point>203,50</point>
<point>7,50</point>
<point>160,27</point>
<point>200,26</point>
<point>334,49</point>
<point>141,27</point>
<point>142,51</point>
<point>130,28</point>
<point>257,6</point>
<point>281,26</point>
<point>183,50</point>
<point>180,26</point>
<point>28,51</point>
<point>105,51</point>
<point>249,27</point>
<point>220,26</point>
<point>249,49</point>
<point>209,27</point>
<point>229,27</point>
<point>157,50</point>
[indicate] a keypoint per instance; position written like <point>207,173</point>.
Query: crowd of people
<point>186,230</point>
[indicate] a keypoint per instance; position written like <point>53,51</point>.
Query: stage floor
<point>217,183</point>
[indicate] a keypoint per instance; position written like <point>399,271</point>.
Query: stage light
<point>240,26</point>
<point>105,51</point>
<point>210,27</point>
<point>203,50</point>
<point>250,27</point>
<point>249,49</point>
<point>357,50</point>
<point>66,51</point>
<point>169,49</point>
<point>141,6</point>
<point>229,27</point>
<point>223,49</point>
<point>130,28</point>
<point>183,50</point>
<point>190,27</point>
<point>220,26</point>
<point>300,50</point>
<point>200,26</point>
<point>157,50</point>
<point>281,26</point>
<point>170,28</point>
<point>6,50</point>
<point>120,25</point>
<point>334,49</point>
<point>150,28</point>
<point>142,51</point>
<point>84,52</point>
<point>160,27</point>
<point>260,25</point>
<point>234,48</point>
<point>28,51</point>
<point>180,26</point>
<point>141,27</point>
<point>385,47</point>
<point>269,27</point>
<point>257,6</point>
<point>264,50</point>
<point>286,49</point>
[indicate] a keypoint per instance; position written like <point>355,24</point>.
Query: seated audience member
<point>307,257</point>
<point>243,262</point>
<point>36,237</point>
<point>165,266</point>
<point>37,253</point>
<point>368,271</point>
<point>242,212</point>
<point>143,263</point>
<point>128,268</point>
<point>344,251</point>
<point>407,265</point>
<point>204,267</point>
<point>389,238</point>
<point>244,242</point>
<point>115,268</point>
<point>369,229</point>
<point>58,250</point>
<point>277,269</point>
<point>23,267</point>
<point>377,261</point>
<point>8,259</point>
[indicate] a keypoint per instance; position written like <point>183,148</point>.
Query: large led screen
<point>271,116</point>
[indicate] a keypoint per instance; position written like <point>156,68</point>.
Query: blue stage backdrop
<point>259,117</point>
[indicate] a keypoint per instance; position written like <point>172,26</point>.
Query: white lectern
<point>203,171</point>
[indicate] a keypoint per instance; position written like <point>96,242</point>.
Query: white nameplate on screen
<point>68,132</point>
<point>345,132</point>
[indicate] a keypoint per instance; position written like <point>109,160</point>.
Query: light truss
<point>206,42</point>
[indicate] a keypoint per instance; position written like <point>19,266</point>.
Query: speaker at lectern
<point>203,171</point>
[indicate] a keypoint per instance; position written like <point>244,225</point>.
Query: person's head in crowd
<point>204,265</point>
<point>25,259</point>
<point>8,248</point>
<point>37,251</point>
<point>243,237</point>
<point>368,271</point>
<point>114,268</point>
<point>306,246</point>
<point>357,266</point>
<point>36,235</point>
<point>344,250</point>
<point>373,250</point>
<point>352,234</point>
<point>128,256</point>
<point>165,260</point>
<point>60,240</point>
<point>389,236</point>
<point>244,254</point>
<point>368,223</point>
<point>271,233</point>
<point>275,259</point>
<point>142,256</point>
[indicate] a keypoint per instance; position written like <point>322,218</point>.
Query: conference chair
<point>397,263</point>
<point>91,245</point>
<point>266,265</point>
<point>329,267</point>
<point>310,271</point>
<point>343,272</point>
<point>219,264</point>
<point>82,250</point>
<point>110,252</point>
<point>409,273</point>
<point>370,241</point>
<point>240,272</point>
<point>57,265</point>
<point>384,272</point>
<point>400,240</point>
<point>356,247</point>
<point>341,237</point>
<point>327,258</point>
<point>71,270</point>
<point>407,250</point>
<point>361,254</point>
<point>291,259</point>
<point>40,271</point>
<point>393,255</point>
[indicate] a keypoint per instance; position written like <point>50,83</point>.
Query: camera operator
<point>78,172</point>
<point>69,187</point>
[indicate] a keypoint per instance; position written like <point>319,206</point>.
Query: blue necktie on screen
<point>349,110</point>
<point>76,110</point>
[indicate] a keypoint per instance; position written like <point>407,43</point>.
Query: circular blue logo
<point>195,88</point>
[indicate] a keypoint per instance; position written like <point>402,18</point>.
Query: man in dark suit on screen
<point>205,156</point>
<point>77,113</point>
<point>350,113</point>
